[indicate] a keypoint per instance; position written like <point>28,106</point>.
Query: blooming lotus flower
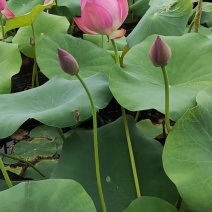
<point>67,62</point>
<point>103,17</point>
<point>4,10</point>
<point>160,53</point>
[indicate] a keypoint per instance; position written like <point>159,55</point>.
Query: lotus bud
<point>160,53</point>
<point>67,62</point>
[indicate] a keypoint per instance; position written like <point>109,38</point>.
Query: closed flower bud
<point>67,62</point>
<point>160,53</point>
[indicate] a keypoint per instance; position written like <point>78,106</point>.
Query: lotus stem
<point>4,172</point>
<point>96,150</point>
<point>166,82</point>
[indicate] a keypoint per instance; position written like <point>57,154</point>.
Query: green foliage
<point>90,58</point>
<point>28,18</point>
<point>157,20</point>
<point>150,204</point>
<point>77,162</point>
<point>52,103</point>
<point>44,25</point>
<point>10,64</point>
<point>46,195</point>
<point>140,85</point>
<point>187,154</point>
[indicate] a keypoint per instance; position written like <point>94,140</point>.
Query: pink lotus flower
<point>67,62</point>
<point>5,10</point>
<point>160,53</point>
<point>103,17</point>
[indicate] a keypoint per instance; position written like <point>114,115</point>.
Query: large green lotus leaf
<point>165,18</point>
<point>45,24</point>
<point>73,6</point>
<point>46,195</point>
<point>150,204</point>
<point>10,64</point>
<point>91,59</point>
<point>140,7</point>
<point>23,6</point>
<point>140,85</point>
<point>187,154</point>
<point>28,18</point>
<point>77,162</point>
<point>58,103</point>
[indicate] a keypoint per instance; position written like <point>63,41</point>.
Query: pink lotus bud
<point>160,53</point>
<point>67,62</point>
<point>103,17</point>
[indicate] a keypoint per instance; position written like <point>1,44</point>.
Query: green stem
<point>137,116</point>
<point>116,52</point>
<point>2,28</point>
<point>132,159</point>
<point>179,203</point>
<point>23,161</point>
<point>190,27</point>
<point>35,82</point>
<point>96,151</point>
<point>129,143</point>
<point>166,82</point>
<point>4,172</point>
<point>61,134</point>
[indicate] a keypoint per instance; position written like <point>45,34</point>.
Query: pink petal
<point>117,33</point>
<point>123,8</point>
<point>7,13</point>
<point>81,25</point>
<point>112,7</point>
<point>97,19</point>
<point>2,4</point>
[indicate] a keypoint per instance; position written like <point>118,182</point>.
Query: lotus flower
<point>4,10</point>
<point>67,62</point>
<point>103,17</point>
<point>160,53</point>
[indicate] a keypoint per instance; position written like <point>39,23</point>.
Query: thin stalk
<point>102,41</point>
<point>96,151</point>
<point>132,159</point>
<point>129,143</point>
<point>61,134</point>
<point>23,161</point>
<point>166,82</point>
<point>2,28</point>
<point>137,116</point>
<point>35,81</point>
<point>116,52</point>
<point>190,27</point>
<point>179,203</point>
<point>4,172</point>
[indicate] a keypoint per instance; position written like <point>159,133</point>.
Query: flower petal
<point>2,4</point>
<point>117,33</point>
<point>7,13</point>
<point>123,9</point>
<point>97,19</point>
<point>81,25</point>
